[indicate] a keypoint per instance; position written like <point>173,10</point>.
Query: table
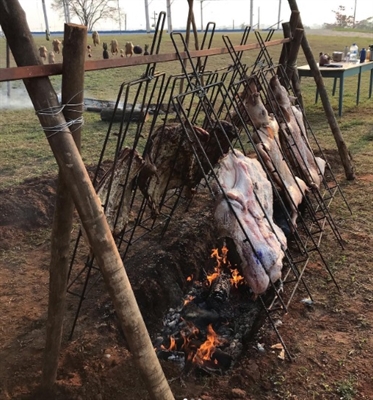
<point>346,70</point>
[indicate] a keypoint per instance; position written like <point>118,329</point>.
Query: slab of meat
<point>115,188</point>
<point>293,136</point>
<point>265,135</point>
<point>250,107</point>
<point>267,142</point>
<point>246,216</point>
<point>175,158</point>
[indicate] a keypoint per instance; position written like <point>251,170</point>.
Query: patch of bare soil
<point>330,339</point>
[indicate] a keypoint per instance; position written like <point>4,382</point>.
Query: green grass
<point>345,389</point>
<point>25,152</point>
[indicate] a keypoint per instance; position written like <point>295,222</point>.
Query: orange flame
<point>220,259</point>
<point>210,278</point>
<point>206,350</point>
<point>236,279</point>
<point>172,345</point>
<point>224,254</point>
<point>188,299</point>
<point>190,334</point>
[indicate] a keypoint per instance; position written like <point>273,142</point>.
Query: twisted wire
<point>55,111</point>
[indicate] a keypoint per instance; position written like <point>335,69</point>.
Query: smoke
<point>14,97</point>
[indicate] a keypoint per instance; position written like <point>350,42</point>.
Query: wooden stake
<point>283,60</point>
<point>190,22</point>
<point>75,41</point>
<point>291,67</point>
<point>341,145</point>
<point>14,24</point>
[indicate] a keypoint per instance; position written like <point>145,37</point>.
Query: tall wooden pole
<point>291,66</point>
<point>74,46</point>
<point>7,51</point>
<point>342,148</point>
<point>190,22</point>
<point>87,203</point>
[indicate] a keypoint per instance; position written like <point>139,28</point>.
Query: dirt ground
<point>330,340</point>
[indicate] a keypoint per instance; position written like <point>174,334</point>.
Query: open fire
<point>210,328</point>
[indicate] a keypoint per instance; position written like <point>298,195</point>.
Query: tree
<point>343,20</point>
<point>365,24</point>
<point>89,12</point>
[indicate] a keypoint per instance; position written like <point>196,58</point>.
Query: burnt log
<point>219,293</point>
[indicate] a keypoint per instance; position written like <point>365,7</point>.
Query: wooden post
<point>291,66</point>
<point>75,41</point>
<point>294,21</point>
<point>14,24</point>
<point>342,148</point>
<point>285,47</point>
<point>190,22</point>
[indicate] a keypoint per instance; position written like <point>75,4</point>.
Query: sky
<point>224,13</point>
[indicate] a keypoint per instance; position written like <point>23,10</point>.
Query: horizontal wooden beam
<point>37,71</point>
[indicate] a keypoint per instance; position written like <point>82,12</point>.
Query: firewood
<point>220,289</point>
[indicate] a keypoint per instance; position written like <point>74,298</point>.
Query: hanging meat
<point>268,145</point>
<point>180,155</point>
<point>266,139</point>
<point>250,107</point>
<point>116,187</point>
<point>244,213</point>
<point>294,137</point>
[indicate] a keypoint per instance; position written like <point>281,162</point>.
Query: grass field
<point>24,151</point>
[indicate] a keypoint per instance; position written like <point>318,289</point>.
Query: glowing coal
<point>210,328</point>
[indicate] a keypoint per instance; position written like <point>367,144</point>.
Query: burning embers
<point>208,331</point>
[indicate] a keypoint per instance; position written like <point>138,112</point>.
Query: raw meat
<point>265,136</point>
<point>293,136</point>
<point>176,159</point>
<point>269,147</point>
<point>245,214</point>
<point>250,107</point>
<point>115,188</point>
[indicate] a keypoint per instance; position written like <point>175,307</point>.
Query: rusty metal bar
<point>34,71</point>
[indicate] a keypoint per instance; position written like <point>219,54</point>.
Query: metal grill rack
<point>195,99</point>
